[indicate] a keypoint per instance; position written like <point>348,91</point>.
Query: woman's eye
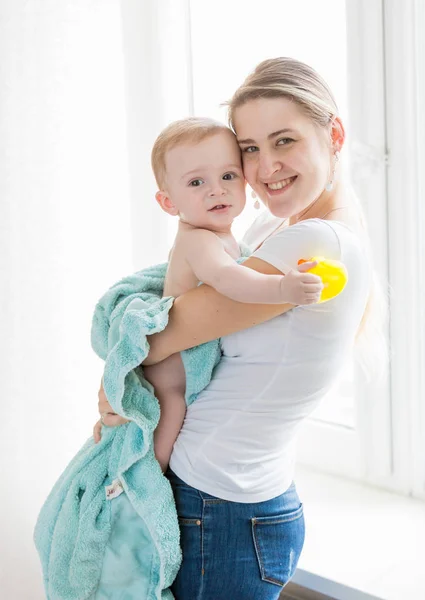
<point>284,141</point>
<point>229,176</point>
<point>196,182</point>
<point>250,149</point>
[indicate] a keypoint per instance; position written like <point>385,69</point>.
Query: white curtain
<point>85,86</point>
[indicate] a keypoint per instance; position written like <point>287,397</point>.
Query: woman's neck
<point>340,205</point>
<point>326,202</point>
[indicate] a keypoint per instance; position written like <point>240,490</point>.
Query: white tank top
<point>238,438</point>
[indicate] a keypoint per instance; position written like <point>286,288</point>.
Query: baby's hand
<point>299,287</point>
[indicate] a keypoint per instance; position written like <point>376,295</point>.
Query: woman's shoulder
<point>308,238</point>
<point>309,232</point>
<point>324,230</point>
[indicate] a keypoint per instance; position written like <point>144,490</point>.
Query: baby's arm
<point>212,265</point>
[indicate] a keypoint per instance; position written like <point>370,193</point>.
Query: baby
<point>197,167</point>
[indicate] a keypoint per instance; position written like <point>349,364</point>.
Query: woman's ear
<point>165,203</point>
<point>337,134</point>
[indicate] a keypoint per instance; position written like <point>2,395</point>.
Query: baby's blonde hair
<point>290,78</point>
<point>191,130</point>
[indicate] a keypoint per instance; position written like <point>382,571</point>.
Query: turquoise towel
<point>93,548</point>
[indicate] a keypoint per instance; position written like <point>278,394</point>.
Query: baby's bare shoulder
<point>197,238</point>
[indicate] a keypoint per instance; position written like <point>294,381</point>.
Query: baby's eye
<point>229,176</point>
<point>196,182</point>
<point>284,141</point>
<point>250,149</point>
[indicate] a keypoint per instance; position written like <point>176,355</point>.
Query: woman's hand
<point>108,417</point>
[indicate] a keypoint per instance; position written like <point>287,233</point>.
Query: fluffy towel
<point>93,548</point>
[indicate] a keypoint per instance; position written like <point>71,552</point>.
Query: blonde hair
<point>190,130</point>
<point>290,78</point>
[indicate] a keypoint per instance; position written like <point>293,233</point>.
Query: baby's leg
<point>169,380</point>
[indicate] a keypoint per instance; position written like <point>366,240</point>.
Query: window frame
<point>404,78</point>
<point>385,53</point>
<point>419,444</point>
<point>363,453</point>
<point>386,64</point>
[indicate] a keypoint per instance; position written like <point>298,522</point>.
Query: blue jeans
<point>236,551</point>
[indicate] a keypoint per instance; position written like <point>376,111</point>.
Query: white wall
<point>78,112</point>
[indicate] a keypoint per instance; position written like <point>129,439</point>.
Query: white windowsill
<point>361,542</point>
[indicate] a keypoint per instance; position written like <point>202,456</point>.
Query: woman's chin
<point>285,208</point>
<point>277,210</point>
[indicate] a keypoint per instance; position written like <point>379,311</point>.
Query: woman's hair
<point>290,78</point>
<point>287,78</point>
<point>191,130</point>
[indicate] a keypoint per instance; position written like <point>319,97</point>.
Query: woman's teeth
<point>279,185</point>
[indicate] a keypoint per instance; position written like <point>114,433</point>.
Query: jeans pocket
<point>278,543</point>
<point>184,521</point>
<point>191,537</point>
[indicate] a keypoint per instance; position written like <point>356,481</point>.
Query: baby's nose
<point>218,190</point>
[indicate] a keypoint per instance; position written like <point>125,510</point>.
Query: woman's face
<point>287,158</point>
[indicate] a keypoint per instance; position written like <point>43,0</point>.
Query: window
<point>220,62</point>
<point>371,56</point>
<point>239,37</point>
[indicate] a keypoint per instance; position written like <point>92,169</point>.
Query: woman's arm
<point>196,317</point>
<point>202,315</point>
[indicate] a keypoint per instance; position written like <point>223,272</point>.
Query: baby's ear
<point>165,203</point>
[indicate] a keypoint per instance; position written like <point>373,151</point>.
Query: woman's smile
<point>278,187</point>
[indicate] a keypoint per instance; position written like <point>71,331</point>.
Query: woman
<point>232,464</point>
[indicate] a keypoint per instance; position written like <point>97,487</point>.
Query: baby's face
<point>205,182</point>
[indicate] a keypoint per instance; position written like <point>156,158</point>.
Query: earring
<point>329,186</point>
<point>256,203</point>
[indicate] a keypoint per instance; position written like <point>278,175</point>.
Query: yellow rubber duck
<point>333,274</point>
